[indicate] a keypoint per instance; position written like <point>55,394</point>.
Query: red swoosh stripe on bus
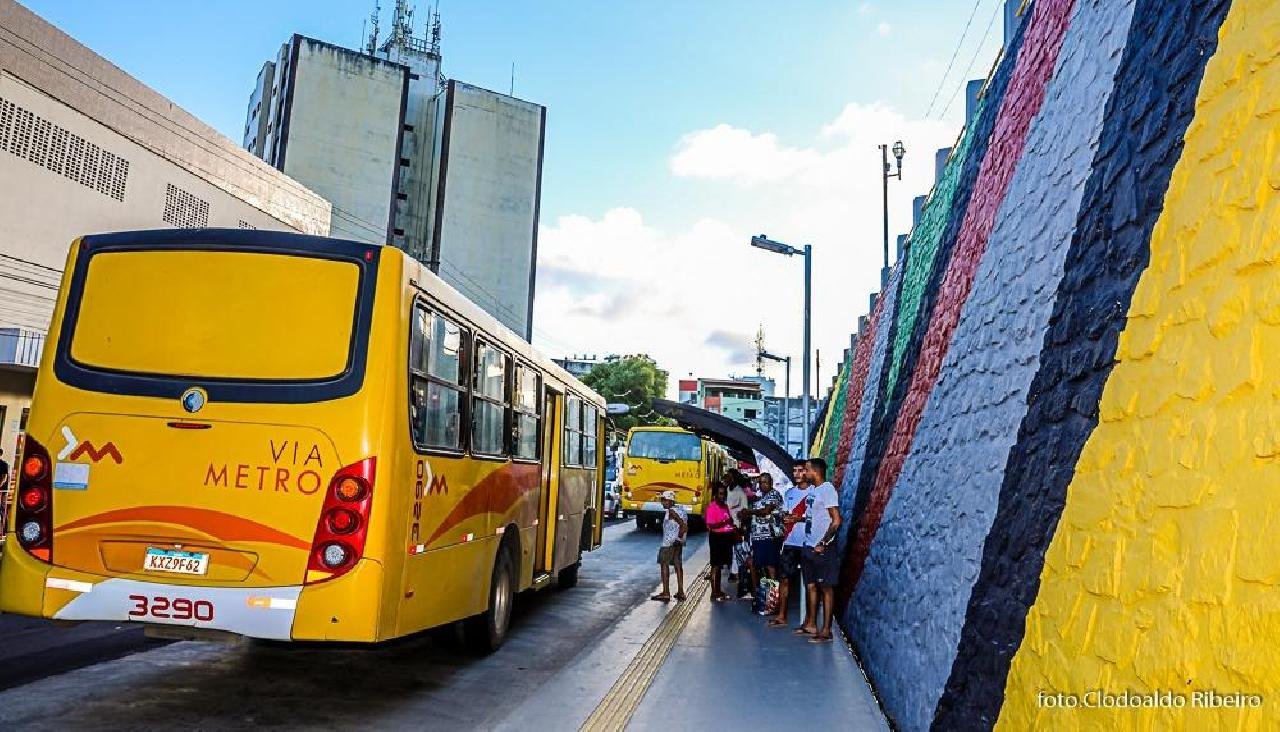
<point>223,526</point>
<point>495,493</point>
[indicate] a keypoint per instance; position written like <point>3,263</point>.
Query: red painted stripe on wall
<point>1021,104</point>
<point>857,384</point>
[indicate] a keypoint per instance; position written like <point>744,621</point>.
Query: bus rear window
<point>665,446</point>
<point>216,314</point>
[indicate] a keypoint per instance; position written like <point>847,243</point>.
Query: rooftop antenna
<point>513,78</point>
<point>372,46</point>
<point>435,30</point>
<point>760,350</point>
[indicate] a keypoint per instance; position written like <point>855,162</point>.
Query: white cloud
<point>884,29</point>
<point>727,152</point>
<point>866,9</point>
<point>693,295</point>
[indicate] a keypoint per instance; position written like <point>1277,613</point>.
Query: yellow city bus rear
<point>225,436</point>
<point>667,458</point>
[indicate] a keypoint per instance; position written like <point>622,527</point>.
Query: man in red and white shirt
<point>793,539</point>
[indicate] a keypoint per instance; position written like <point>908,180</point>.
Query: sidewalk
<point>701,664</point>
<point>728,670</point>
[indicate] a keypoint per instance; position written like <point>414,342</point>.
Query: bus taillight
<point>35,502</point>
<point>343,523</point>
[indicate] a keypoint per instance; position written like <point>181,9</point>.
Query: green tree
<point>634,381</point>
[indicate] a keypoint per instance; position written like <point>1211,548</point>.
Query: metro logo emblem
<point>87,448</point>
<point>75,449</point>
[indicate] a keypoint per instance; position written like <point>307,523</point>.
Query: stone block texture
<point>1058,442</point>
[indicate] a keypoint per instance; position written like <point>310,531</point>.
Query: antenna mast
<point>372,46</point>
<point>760,350</point>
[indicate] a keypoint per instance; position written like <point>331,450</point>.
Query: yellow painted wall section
<point>1164,576</point>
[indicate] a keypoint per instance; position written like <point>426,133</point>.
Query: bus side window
<point>570,439</point>
<point>489,401</point>
<point>436,359</point>
<point>589,435</point>
<point>525,401</point>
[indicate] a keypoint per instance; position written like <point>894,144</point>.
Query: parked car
<point>612,502</point>
<point>612,493</point>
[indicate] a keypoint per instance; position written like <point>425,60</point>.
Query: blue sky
<point>673,130</point>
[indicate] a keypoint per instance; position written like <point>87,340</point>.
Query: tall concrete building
<point>447,171</point>
<point>85,148</point>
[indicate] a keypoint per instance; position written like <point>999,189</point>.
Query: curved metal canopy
<point>736,437</point>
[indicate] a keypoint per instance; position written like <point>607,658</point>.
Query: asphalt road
<point>105,676</point>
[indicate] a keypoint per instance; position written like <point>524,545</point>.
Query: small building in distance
<point>94,151</point>
<point>449,172</point>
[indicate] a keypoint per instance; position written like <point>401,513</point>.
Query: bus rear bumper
<point>256,612</point>
<point>325,611</point>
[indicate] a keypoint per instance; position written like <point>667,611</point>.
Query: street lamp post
<point>898,152</point>
<point>760,241</point>
<point>786,400</point>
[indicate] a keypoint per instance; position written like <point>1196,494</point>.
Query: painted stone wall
<point>1059,441</point>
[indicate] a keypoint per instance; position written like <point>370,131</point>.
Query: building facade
<point>448,172</point>
<point>98,151</point>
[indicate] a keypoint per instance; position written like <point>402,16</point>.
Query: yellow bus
<point>292,438</point>
<point>668,459</point>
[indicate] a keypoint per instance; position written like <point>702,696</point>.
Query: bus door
<point>550,472</point>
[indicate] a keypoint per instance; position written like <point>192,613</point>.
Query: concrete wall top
<point>50,60</point>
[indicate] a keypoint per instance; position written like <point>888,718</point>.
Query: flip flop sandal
<point>821,639</point>
<point>661,598</point>
<point>802,631</point>
<point>775,624</point>
<point>680,597</point>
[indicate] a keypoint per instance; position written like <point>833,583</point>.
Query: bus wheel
<point>486,632</point>
<point>642,523</point>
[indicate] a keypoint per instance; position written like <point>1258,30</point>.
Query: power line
<point>29,263</point>
<point>965,77</point>
<point>964,34</point>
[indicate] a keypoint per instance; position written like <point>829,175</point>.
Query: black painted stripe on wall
<point>1156,87</point>
<point>887,407</point>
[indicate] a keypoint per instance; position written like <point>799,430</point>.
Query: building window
<point>404,161</point>
<point>525,400</point>
<point>402,196</point>
<point>184,210</point>
<point>749,414</point>
<point>437,350</point>
<point>60,151</point>
<point>489,401</point>
<point>408,128</point>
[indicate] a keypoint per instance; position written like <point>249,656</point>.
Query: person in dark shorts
<point>821,562</point>
<point>792,540</point>
<point>766,522</point>
<point>675,526</point>
<point>720,532</point>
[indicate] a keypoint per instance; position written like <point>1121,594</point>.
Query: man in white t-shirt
<point>821,563</point>
<point>793,503</point>
<point>675,526</point>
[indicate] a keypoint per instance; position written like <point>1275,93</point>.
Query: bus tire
<point>642,524</point>
<point>485,633</point>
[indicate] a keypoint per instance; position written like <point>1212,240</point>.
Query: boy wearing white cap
<point>675,525</point>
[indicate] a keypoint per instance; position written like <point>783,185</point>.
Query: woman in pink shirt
<point>720,532</point>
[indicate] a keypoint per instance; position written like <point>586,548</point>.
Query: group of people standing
<point>767,534</point>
